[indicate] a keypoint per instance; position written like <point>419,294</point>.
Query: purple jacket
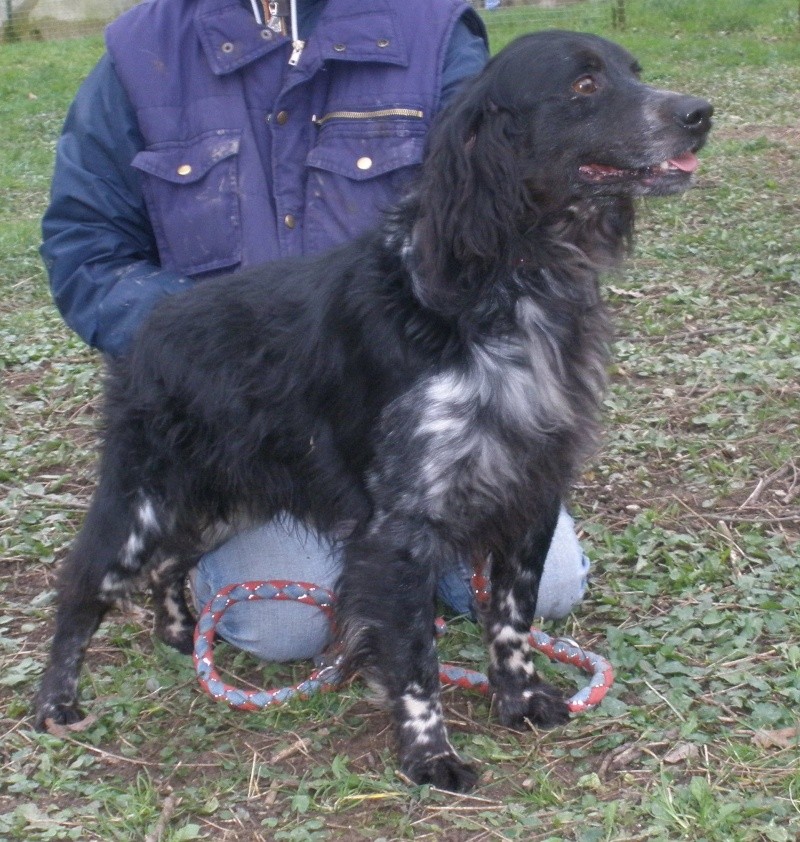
<point>241,158</point>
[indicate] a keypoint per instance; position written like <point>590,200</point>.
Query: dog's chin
<point>663,179</point>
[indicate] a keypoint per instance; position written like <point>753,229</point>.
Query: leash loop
<point>320,681</point>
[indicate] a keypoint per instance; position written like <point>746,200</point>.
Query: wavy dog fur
<point>433,386</point>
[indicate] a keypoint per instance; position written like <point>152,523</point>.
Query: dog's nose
<point>694,114</point>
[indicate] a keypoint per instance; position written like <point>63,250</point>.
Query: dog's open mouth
<point>679,168</point>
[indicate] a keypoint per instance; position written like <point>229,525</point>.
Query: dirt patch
<point>784,135</point>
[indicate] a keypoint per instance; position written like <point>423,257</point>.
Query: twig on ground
<point>666,701</point>
<point>764,483</point>
<point>167,809</point>
<point>300,745</point>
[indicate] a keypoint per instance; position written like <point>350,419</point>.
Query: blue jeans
<point>288,631</point>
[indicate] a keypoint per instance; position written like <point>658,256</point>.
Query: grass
<point>690,512</point>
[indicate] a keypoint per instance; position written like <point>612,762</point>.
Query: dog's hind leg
<point>174,622</point>
<point>521,698</point>
<point>119,535</point>
<point>385,610</point>
<point>76,621</point>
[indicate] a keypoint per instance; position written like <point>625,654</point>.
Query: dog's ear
<point>472,197</point>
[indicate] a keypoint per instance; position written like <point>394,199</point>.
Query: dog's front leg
<point>386,616</point>
<point>521,698</point>
<point>426,755</point>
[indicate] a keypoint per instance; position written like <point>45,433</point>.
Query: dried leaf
<point>626,293</point>
<point>782,738</point>
<point>58,730</point>
<point>681,752</point>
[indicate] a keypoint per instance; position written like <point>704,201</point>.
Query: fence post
<point>618,14</point>
<point>9,34</point>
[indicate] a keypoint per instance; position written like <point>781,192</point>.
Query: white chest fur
<point>474,420</point>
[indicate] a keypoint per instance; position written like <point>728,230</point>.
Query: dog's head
<point>581,122</point>
<point>557,126</point>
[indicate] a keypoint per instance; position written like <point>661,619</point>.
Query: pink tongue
<point>687,162</point>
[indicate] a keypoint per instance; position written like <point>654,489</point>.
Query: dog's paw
<point>177,635</point>
<point>59,712</point>
<point>444,771</point>
<point>538,704</point>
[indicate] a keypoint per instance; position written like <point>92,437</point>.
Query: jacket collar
<point>348,30</point>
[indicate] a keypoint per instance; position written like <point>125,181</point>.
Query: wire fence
<point>53,19</point>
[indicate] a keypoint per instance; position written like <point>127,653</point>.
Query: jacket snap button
<point>184,169</point>
<point>289,220</point>
<point>364,163</point>
<point>227,47</point>
<point>339,48</point>
<point>383,42</point>
<point>282,117</point>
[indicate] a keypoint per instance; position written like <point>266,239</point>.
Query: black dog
<point>433,385</point>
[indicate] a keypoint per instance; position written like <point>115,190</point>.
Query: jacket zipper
<point>368,115</point>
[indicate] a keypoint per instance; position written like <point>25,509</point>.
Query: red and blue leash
<point>329,678</point>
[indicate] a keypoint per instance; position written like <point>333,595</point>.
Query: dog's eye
<point>585,85</point>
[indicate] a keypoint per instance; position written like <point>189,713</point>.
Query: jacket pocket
<point>357,169</point>
<point>191,190</point>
